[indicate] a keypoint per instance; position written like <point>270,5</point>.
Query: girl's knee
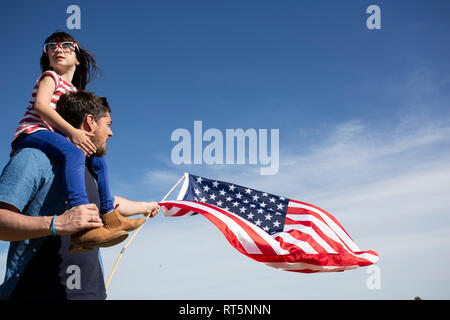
<point>75,155</point>
<point>99,164</point>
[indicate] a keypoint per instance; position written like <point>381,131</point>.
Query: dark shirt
<point>56,274</point>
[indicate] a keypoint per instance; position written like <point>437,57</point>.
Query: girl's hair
<point>84,72</point>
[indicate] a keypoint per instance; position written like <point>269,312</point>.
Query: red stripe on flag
<point>345,252</point>
<point>343,259</point>
<point>321,210</point>
<point>262,244</point>
<point>296,234</point>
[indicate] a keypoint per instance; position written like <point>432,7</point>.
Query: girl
<point>66,67</point>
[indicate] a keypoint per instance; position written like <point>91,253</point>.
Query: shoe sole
<point>77,248</point>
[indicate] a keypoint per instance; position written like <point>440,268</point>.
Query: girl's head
<point>86,68</point>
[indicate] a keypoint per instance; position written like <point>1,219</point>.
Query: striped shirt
<point>31,121</point>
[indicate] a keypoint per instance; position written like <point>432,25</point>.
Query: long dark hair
<point>84,72</point>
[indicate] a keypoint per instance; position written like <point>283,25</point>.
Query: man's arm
<point>15,226</point>
<point>129,208</point>
<point>20,181</point>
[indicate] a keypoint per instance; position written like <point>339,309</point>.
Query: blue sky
<point>363,117</point>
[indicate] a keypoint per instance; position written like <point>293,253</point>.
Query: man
<point>39,265</point>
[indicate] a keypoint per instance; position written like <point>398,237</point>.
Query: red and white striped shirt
<point>31,121</point>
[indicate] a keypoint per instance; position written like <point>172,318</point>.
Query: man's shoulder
<point>32,159</point>
<point>31,154</point>
<point>28,176</point>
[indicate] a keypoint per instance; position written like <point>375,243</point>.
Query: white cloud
<point>388,188</point>
<point>165,177</point>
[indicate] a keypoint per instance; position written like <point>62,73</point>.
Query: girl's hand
<point>81,139</point>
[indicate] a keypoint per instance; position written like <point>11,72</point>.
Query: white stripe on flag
<point>184,187</point>
<point>341,233</point>
<point>266,237</point>
<point>305,246</point>
<point>171,212</point>
<point>310,231</point>
<point>244,239</point>
<point>322,226</point>
<point>368,256</point>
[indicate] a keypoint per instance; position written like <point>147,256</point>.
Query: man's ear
<point>90,123</point>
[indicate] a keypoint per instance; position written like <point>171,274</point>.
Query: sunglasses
<point>66,47</point>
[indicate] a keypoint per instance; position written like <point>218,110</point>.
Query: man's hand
<point>151,209</point>
<point>77,219</point>
<point>15,226</point>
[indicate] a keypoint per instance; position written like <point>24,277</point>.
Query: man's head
<point>87,111</point>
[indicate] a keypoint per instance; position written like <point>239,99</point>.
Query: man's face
<point>101,134</point>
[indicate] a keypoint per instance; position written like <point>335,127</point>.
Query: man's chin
<point>100,153</point>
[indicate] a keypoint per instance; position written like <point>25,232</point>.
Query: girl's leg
<point>62,150</point>
<point>106,200</point>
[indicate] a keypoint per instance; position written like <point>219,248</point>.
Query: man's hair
<point>75,107</point>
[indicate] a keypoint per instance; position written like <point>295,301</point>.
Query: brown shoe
<point>85,240</point>
<point>115,221</point>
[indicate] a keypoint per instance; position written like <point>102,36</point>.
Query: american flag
<point>283,233</point>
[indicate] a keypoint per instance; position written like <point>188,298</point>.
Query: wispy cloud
<point>353,154</point>
<point>388,187</point>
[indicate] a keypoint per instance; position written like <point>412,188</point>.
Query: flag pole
<point>137,231</point>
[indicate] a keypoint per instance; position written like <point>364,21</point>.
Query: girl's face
<point>62,60</point>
